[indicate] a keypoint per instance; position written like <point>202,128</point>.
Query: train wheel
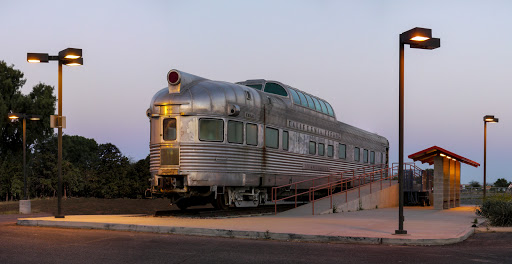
<point>220,202</point>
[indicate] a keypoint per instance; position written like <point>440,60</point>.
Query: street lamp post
<point>487,119</point>
<point>69,57</point>
<point>420,38</point>
<point>24,117</point>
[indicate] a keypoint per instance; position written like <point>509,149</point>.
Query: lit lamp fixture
<point>487,119</point>
<point>24,117</point>
<point>69,57</point>
<point>418,38</point>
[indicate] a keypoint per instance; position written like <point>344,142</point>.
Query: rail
<point>311,182</point>
<point>361,180</point>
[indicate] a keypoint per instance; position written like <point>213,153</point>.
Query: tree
<point>501,182</point>
<point>40,101</point>
<point>474,184</point>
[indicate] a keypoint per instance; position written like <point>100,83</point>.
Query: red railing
<point>328,178</point>
<point>356,181</point>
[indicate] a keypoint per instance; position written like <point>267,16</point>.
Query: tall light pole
<point>24,117</point>
<point>69,57</point>
<point>487,119</point>
<point>420,38</point>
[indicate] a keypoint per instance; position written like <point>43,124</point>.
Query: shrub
<point>497,209</point>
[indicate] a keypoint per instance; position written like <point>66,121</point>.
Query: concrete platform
<point>425,226</point>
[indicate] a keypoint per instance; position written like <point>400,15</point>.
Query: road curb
<point>244,234</point>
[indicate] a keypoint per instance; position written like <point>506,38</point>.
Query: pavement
<point>424,225</point>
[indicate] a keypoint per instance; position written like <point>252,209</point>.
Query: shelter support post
<point>438,183</point>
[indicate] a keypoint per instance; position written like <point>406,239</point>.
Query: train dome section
<point>200,96</point>
<point>298,97</point>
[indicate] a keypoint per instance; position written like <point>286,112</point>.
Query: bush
<point>497,209</point>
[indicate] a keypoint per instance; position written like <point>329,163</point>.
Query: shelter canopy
<point>427,156</point>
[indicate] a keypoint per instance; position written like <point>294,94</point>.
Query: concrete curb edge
<point>244,234</point>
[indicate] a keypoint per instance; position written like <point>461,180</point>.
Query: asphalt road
<point>23,244</point>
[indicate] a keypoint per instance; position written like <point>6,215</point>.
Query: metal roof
<point>427,156</point>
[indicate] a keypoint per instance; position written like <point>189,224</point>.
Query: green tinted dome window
<point>255,86</point>
<point>310,101</point>
<point>275,88</point>
<point>317,105</point>
<point>303,100</point>
<point>324,108</point>
<point>295,97</point>
<point>329,109</point>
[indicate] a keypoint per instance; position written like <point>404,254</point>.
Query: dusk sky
<point>343,51</point>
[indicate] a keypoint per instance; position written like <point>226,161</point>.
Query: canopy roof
<point>427,156</point>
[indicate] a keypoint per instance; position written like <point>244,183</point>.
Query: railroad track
<point>230,213</point>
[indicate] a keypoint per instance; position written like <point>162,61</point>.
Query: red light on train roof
<point>173,77</point>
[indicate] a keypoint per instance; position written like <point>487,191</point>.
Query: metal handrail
<point>344,182</point>
<point>312,181</point>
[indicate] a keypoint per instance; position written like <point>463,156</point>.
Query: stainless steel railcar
<point>228,143</point>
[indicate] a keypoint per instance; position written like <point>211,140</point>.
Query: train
<point>228,143</point>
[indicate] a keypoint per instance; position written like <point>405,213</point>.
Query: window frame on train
<point>330,151</point>
<point>201,120</point>
<point>312,147</point>
<point>286,140</point>
<point>321,149</point>
<point>365,156</point>
<point>165,126</point>
<point>239,135</point>
<point>268,142</point>
<point>372,157</point>
<point>249,139</point>
<point>344,156</point>
<point>357,154</point>
<point>275,88</point>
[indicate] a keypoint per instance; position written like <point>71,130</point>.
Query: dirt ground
<point>77,206</point>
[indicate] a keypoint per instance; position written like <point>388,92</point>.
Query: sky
<point>343,51</point>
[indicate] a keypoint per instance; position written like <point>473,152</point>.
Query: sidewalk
<point>424,225</point>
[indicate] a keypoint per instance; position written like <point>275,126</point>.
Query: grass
<point>87,206</point>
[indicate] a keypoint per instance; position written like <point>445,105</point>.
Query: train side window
<point>303,100</point>
<point>295,96</point>
<point>321,149</point>
<point>255,86</point>
<point>365,156</point>
<point>342,151</point>
<point>372,157</point>
<point>317,105</point>
<point>235,132</point>
<point>251,135</point>
<point>275,88</point>
<point>357,153</point>
<point>381,158</point>
<point>312,147</point>
<point>169,129</point>
<point>330,151</point>
<point>211,129</point>
<point>285,140</point>
<point>271,137</point>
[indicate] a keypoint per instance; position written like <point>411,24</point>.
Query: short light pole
<point>487,119</point>
<point>420,38</point>
<point>24,117</point>
<point>69,57</point>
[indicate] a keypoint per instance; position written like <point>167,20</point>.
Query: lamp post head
<point>37,57</point>
<point>490,119</point>
<point>14,116</point>
<point>420,38</point>
<point>70,53</point>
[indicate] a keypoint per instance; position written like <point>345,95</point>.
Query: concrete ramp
<point>364,198</point>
